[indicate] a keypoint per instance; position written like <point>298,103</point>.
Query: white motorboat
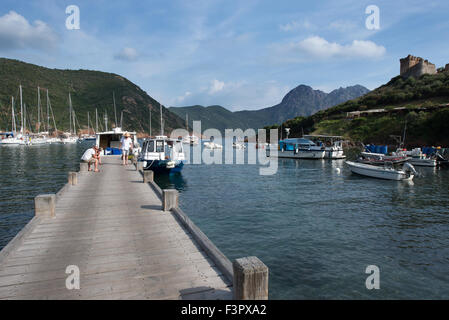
<point>386,172</point>
<point>417,158</point>
<point>162,154</point>
<point>333,145</point>
<point>212,145</point>
<point>299,148</point>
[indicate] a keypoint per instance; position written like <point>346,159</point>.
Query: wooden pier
<point>127,238</point>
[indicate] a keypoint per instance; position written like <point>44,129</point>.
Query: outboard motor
<point>408,168</point>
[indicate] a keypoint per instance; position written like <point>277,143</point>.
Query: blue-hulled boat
<point>299,148</point>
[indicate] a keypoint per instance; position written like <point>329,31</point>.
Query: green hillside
<point>217,117</point>
<point>421,103</point>
<point>89,90</point>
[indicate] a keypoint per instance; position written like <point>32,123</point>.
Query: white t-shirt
<point>126,143</point>
<point>88,154</point>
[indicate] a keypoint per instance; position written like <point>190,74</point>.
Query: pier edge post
<point>84,167</point>
<point>73,178</point>
<point>250,279</point>
<point>44,205</point>
<point>169,199</point>
<point>148,176</point>
<point>139,165</point>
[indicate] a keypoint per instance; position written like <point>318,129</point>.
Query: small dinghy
<point>386,172</point>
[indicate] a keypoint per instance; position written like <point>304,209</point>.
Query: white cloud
<point>17,33</point>
<point>216,86</point>
<point>343,26</point>
<point>296,25</point>
<point>181,99</point>
<point>237,95</point>
<point>317,48</point>
<point>127,54</point>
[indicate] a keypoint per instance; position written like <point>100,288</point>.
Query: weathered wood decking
<point>112,226</point>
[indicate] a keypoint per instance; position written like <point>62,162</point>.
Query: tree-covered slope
<point>421,105</point>
<point>89,90</point>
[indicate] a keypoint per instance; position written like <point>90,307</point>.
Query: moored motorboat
<point>299,148</point>
<point>162,154</point>
<point>383,172</point>
<point>109,141</point>
<point>333,145</point>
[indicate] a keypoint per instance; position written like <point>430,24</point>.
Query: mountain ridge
<point>300,101</point>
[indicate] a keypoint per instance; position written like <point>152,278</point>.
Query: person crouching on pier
<point>99,151</point>
<point>90,156</point>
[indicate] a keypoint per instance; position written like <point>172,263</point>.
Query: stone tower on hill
<point>412,66</point>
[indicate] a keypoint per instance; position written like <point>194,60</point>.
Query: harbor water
<point>313,223</point>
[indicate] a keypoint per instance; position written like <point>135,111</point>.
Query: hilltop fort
<point>412,66</point>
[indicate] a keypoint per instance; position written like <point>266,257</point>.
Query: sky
<point>243,54</point>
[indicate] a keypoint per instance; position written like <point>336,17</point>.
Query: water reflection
<point>171,181</point>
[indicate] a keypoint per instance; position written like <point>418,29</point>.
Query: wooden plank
<point>110,225</point>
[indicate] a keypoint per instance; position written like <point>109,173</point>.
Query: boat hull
<point>423,162</point>
<point>301,154</point>
<point>378,172</point>
<point>160,166</point>
<point>334,154</point>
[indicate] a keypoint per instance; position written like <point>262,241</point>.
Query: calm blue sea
<point>316,228</point>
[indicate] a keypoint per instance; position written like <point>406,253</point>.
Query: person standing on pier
<point>125,144</point>
<point>90,156</point>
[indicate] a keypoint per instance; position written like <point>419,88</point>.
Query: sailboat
<point>69,137</point>
<point>88,136</point>
<point>14,138</point>
<point>190,139</point>
<point>50,110</point>
<point>39,138</point>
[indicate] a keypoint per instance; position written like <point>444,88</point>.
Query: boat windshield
<point>149,146</point>
<point>159,145</point>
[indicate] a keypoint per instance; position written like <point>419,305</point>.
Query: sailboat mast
<point>74,127</point>
<point>115,111</point>
<point>25,117</point>
<point>121,119</point>
<point>38,110</point>
<point>106,120</point>
<point>13,120</point>
<point>187,122</point>
<point>88,128</point>
<point>21,110</point>
<point>403,137</point>
<point>48,115</point>
<point>96,120</point>
<point>150,123</point>
<point>162,126</point>
<point>70,113</point>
